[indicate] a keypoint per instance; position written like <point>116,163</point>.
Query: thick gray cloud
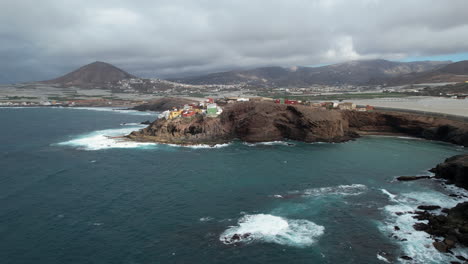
<point>159,38</point>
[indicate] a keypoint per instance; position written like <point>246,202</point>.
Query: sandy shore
<point>421,103</point>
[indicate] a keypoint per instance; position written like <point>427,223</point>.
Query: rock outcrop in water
<point>451,224</point>
<point>454,170</point>
<point>453,227</point>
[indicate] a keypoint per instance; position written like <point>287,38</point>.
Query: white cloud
<point>163,38</point>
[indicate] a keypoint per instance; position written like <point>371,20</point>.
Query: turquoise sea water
<point>69,194</point>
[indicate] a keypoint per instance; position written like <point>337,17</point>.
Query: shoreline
<point>230,127</point>
<point>361,133</point>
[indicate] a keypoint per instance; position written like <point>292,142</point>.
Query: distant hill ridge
<point>92,74</point>
<point>360,72</point>
<point>453,72</point>
<point>363,72</point>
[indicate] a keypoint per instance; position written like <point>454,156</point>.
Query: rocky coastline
<point>264,121</point>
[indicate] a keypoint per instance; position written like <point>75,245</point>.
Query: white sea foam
<point>382,258</point>
<point>112,138</point>
<point>272,229</point>
<point>206,219</point>
<point>269,143</point>
<point>105,139</point>
<point>200,146</point>
<point>416,244</point>
<point>391,197</point>
<point>413,138</point>
<point>345,190</point>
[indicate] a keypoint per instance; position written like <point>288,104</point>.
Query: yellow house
<point>175,113</point>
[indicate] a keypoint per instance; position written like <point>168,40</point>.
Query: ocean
<point>71,194</point>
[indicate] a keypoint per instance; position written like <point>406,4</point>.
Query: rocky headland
<point>251,122</point>
<point>265,121</point>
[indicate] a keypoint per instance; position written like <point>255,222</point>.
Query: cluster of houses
<point>208,108</point>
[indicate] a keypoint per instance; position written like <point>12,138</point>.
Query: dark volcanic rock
<point>455,170</point>
<point>265,121</point>
<point>429,207</point>
<point>422,126</point>
<point>440,246</point>
<point>406,258</point>
<point>453,227</point>
<point>251,122</point>
<point>412,178</point>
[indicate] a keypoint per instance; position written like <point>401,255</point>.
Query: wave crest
<point>345,190</point>
<point>272,229</point>
<point>106,139</point>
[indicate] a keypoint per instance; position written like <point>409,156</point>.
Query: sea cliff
<point>251,122</point>
<point>265,121</point>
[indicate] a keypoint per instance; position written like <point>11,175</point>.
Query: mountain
<point>453,72</point>
<point>96,73</point>
<point>459,68</point>
<point>361,72</point>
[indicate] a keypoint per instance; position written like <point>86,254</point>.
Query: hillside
<point>353,72</point>
<point>453,72</point>
<point>96,73</point>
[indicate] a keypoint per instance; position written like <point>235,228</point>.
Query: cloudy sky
<point>158,38</point>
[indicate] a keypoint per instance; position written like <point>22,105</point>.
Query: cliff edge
<point>266,121</point>
<point>251,122</point>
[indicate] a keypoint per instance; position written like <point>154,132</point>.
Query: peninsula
<point>268,121</point>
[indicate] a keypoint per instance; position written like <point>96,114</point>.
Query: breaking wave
<point>400,221</point>
<point>113,138</point>
<point>270,143</point>
<point>346,190</point>
<point>272,229</point>
<point>200,146</point>
<point>382,258</point>
<point>106,139</point>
